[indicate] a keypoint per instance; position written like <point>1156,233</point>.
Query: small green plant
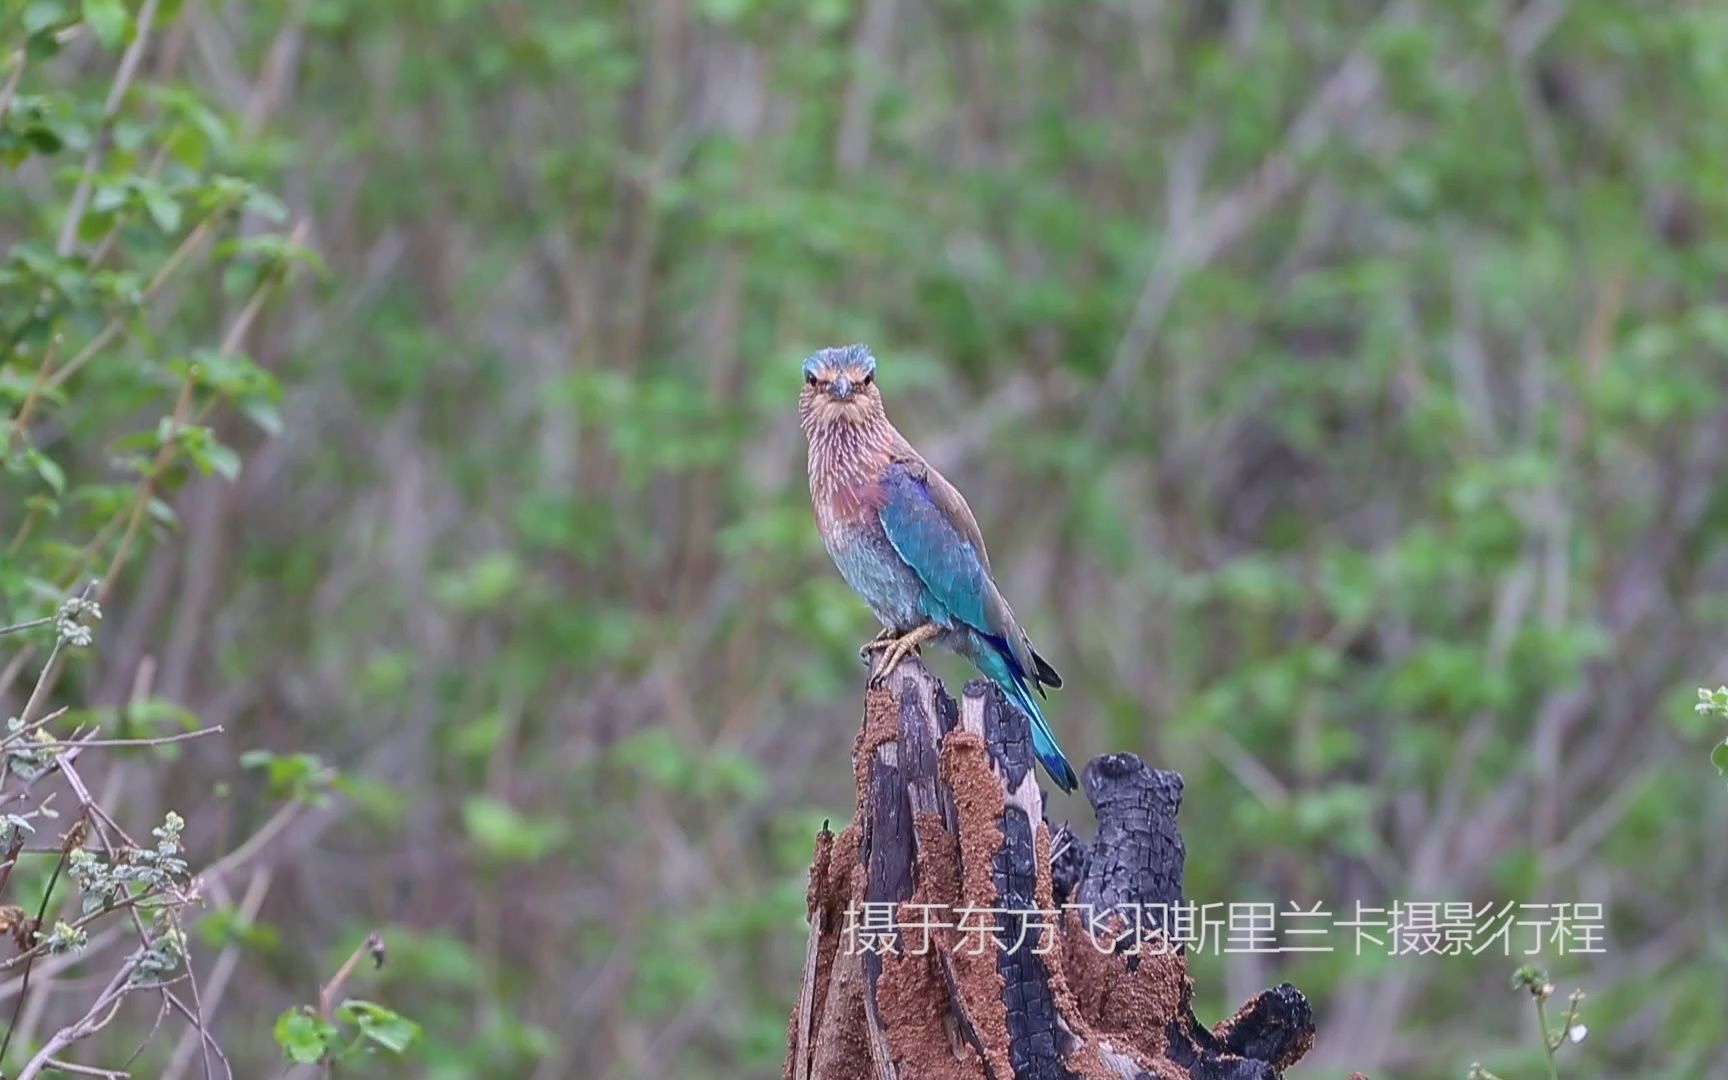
<point>328,1033</point>
<point>1534,981</point>
<point>358,1027</point>
<point>303,777</point>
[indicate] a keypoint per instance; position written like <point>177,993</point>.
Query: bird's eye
<point>868,379</point>
<point>810,377</point>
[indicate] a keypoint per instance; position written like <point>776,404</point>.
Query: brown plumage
<point>905,540</point>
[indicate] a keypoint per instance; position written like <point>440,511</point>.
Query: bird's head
<point>840,387</point>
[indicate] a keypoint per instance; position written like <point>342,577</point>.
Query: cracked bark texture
<point>950,816</point>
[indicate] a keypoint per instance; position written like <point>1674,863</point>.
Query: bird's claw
<point>883,640</point>
<point>896,649</point>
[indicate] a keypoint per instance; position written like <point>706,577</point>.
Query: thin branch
<point>50,671</point>
<point>220,973</point>
<point>21,58</point>
<point>243,854</point>
<point>116,95</point>
<point>1199,235</point>
<point>59,962</point>
<point>44,681</point>
<point>209,1040</point>
<point>116,323</point>
<point>373,946</point>
<point>131,903</point>
<point>204,1039</point>
<point>162,1010</point>
<point>13,737</point>
<point>15,438</point>
<point>12,851</point>
<point>84,1070</point>
<point>74,838</point>
<point>155,740</point>
<point>91,1022</point>
<point>141,501</point>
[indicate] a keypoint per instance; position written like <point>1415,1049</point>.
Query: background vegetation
<point>1340,385</point>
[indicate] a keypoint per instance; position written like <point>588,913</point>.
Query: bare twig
<point>244,854</point>
<point>220,973</point>
<point>131,903</point>
<point>373,946</point>
<point>198,1025</point>
<point>74,838</point>
<point>21,421</point>
<point>84,1070</point>
<point>98,1017</point>
<point>50,671</point>
<point>59,962</point>
<point>154,740</point>
<point>209,1040</point>
<point>19,58</point>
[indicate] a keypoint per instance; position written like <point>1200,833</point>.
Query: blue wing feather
<point>955,581</point>
<point>957,594</point>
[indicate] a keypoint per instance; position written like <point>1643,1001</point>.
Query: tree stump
<point>954,936</point>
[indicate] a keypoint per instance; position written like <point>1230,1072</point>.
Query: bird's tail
<point>1043,743</point>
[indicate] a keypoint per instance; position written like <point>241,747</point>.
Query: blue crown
<point>844,356</point>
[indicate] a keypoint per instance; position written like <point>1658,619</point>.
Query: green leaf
<point>163,208</point>
<point>220,460</point>
<point>109,197</point>
<point>160,714</point>
<point>485,582</point>
<point>44,14</point>
<point>264,414</point>
<point>227,926</point>
<point>49,470</point>
<point>658,755</point>
<point>266,206</point>
<point>109,19</point>
<point>506,834</point>
<point>386,1027</point>
<point>43,140</point>
<point>1719,758</point>
<point>300,776</point>
<point>42,46</point>
<point>303,1036</point>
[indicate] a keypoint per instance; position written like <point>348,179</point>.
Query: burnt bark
<point>955,936</point>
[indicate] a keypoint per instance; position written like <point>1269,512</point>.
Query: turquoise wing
<point>929,526</point>
<point>957,586</point>
<point>958,590</point>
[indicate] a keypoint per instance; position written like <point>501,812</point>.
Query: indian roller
<point>905,540</point>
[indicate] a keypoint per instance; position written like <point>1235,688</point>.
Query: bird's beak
<point>840,388</point>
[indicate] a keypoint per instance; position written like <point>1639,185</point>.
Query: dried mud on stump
<point>949,817</point>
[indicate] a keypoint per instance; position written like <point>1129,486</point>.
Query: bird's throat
<point>848,455</point>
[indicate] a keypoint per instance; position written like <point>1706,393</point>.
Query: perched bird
<point>906,542</point>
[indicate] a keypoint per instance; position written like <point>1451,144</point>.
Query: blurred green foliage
<point>1341,387</point>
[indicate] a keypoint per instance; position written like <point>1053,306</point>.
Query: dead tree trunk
<point>933,951</point>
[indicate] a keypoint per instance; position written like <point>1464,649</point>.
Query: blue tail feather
<point>1044,745</point>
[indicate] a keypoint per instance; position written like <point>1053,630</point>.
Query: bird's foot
<point>896,650</point>
<point>881,641</point>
